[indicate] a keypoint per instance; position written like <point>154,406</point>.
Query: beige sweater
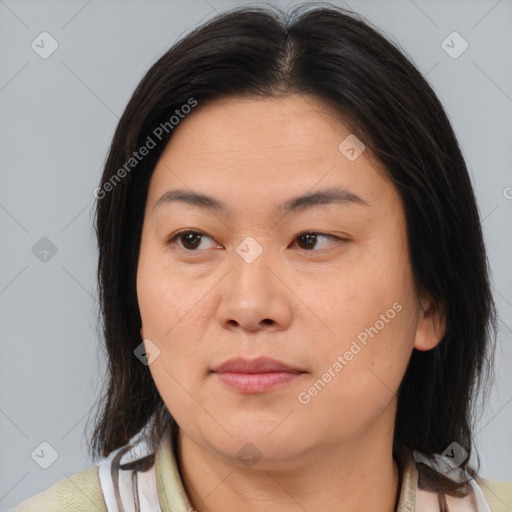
<point>82,492</point>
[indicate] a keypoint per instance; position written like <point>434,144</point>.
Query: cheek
<point>168,302</point>
<point>368,280</point>
<point>366,378</point>
<point>372,314</point>
<point>179,396</point>
<point>351,304</point>
<point>174,313</point>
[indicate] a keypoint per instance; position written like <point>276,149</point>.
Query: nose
<point>253,297</point>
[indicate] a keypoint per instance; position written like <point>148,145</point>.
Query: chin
<point>270,446</point>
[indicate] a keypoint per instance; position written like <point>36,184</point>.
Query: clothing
<point>160,489</point>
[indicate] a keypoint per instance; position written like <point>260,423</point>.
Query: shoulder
<point>78,492</point>
<point>497,494</point>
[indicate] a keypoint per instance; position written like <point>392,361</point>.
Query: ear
<point>431,324</point>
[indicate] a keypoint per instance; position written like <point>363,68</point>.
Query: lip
<point>256,375</point>
<point>258,365</point>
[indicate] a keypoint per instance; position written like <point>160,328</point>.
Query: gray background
<point>57,119</point>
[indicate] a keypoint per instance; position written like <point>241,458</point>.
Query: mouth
<point>257,375</point>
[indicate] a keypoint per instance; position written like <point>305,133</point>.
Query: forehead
<point>263,147</point>
<point>290,127</point>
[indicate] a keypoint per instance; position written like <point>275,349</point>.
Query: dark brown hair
<point>341,59</point>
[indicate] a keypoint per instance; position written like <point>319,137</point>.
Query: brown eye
<point>189,240</point>
<point>309,240</point>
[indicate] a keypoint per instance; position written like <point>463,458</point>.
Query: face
<point>282,304</point>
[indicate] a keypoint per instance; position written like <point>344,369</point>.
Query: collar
<point>171,493</point>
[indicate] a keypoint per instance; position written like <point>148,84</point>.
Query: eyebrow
<point>327,196</point>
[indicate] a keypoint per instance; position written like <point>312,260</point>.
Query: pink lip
<point>257,375</point>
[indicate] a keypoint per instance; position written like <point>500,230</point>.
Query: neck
<point>360,476</point>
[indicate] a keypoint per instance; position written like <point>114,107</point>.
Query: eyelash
<point>173,240</point>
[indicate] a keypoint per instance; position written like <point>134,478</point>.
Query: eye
<point>309,240</point>
<point>190,240</point>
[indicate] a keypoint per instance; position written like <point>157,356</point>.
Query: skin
<point>299,304</point>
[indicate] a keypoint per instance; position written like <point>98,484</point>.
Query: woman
<point>293,282</point>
